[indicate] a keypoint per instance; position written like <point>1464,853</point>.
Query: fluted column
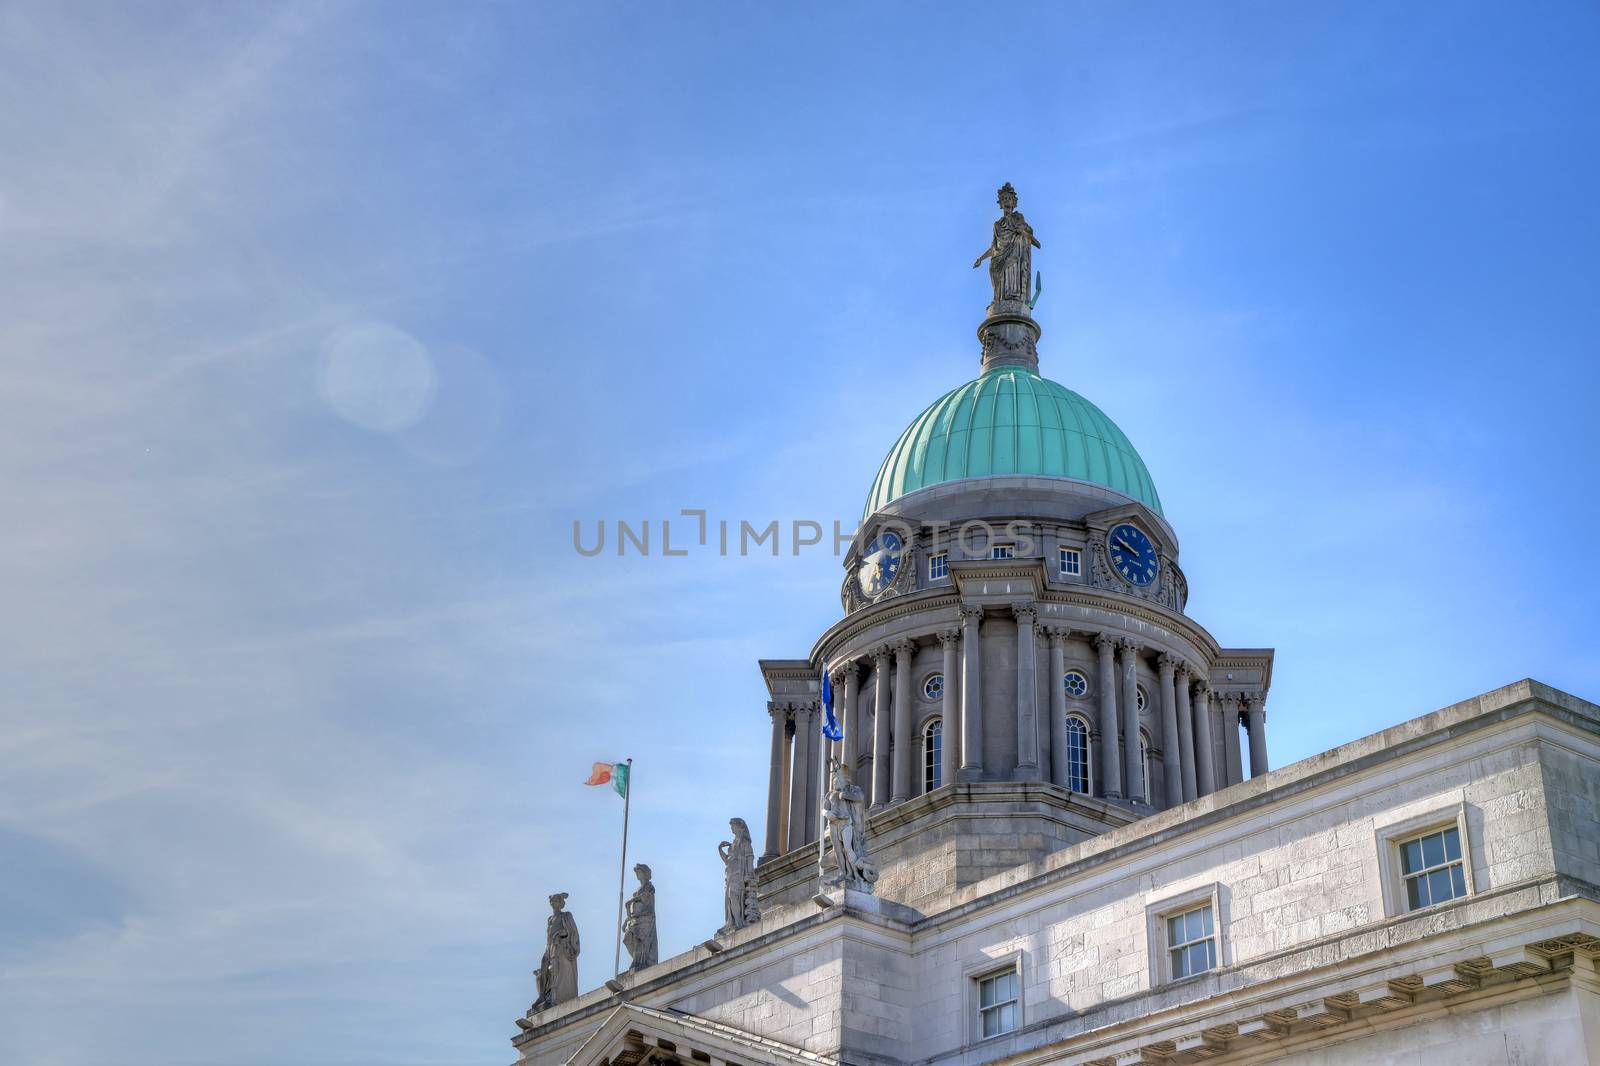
<point>950,710</point>
<point>903,749</point>
<point>799,779</point>
<point>881,725</point>
<point>775,784</point>
<point>1204,764</point>
<point>1027,693</point>
<point>1134,787</point>
<point>808,737</point>
<point>971,693</point>
<point>1255,715</point>
<point>1060,773</point>
<point>1185,732</point>
<point>1172,772</point>
<point>1230,737</point>
<point>846,677</point>
<point>1110,760</point>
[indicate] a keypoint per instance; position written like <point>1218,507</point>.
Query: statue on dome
<point>1010,253</point>
<point>558,970</point>
<point>738,855</point>
<point>844,813</point>
<point>639,929</point>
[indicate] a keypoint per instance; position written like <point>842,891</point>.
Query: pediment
<point>634,1035</point>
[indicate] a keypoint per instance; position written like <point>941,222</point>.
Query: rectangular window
<point>997,1004</point>
<point>1071,562</point>
<point>1431,868</point>
<point>1191,942</point>
<point>938,566</point>
<point>1000,551</point>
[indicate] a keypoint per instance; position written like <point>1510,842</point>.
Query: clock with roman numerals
<point>1132,554</point>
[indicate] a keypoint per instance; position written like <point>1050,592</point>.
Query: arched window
<point>932,755</point>
<point>1077,754</point>
<point>1144,766</point>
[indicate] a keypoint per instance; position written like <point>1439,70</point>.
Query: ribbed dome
<point>1011,421</point>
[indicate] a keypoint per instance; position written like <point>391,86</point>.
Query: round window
<point>1076,684</point>
<point>1138,697</point>
<point>933,688</point>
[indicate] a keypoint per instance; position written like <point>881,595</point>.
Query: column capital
<point>905,646</point>
<point>880,655</point>
<point>1182,671</point>
<point>1167,664</point>
<point>1254,699</point>
<point>847,669</point>
<point>1025,611</point>
<point>1105,643</point>
<point>1128,644</point>
<point>1228,697</point>
<point>1202,687</point>
<point>1057,634</point>
<point>971,613</point>
<point>777,711</point>
<point>950,637</point>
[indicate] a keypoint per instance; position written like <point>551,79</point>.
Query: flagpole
<point>622,874</point>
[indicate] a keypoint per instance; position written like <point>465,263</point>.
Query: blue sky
<point>321,324</point>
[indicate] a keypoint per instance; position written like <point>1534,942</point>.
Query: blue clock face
<point>1132,554</point>
<point>880,563</point>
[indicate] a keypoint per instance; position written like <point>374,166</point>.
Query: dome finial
<point>1009,333</point>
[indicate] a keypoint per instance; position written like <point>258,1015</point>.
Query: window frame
<point>1391,868</point>
<point>1088,752</point>
<point>931,759</point>
<point>940,560</point>
<point>981,971</point>
<point>1088,686</point>
<point>1061,562</point>
<point>928,680</point>
<point>1009,549</point>
<point>1159,912</point>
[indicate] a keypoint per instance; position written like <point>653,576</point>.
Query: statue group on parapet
<point>844,859</point>
<point>739,906</point>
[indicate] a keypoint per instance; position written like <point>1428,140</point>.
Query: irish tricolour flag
<point>613,773</point>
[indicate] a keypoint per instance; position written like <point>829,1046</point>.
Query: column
<point>1110,768</point>
<point>904,749</point>
<point>818,745</point>
<point>1027,693</point>
<point>1204,764</point>
<point>880,728</point>
<point>1255,715</point>
<point>971,693</point>
<point>1219,757</point>
<point>775,784</point>
<point>799,779</point>
<point>1059,772</point>
<point>1185,732</point>
<point>1230,737</point>
<point>850,715</point>
<point>1133,765</point>
<point>950,710</point>
<point>1170,745</point>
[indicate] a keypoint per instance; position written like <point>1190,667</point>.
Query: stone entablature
<point>1311,950</point>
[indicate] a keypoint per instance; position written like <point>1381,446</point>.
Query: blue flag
<point>830,725</point>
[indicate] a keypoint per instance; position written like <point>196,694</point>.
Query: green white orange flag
<point>613,773</point>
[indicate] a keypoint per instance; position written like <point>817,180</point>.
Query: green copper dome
<point>1011,421</point>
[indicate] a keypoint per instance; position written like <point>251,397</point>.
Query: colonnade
<point>1196,728</point>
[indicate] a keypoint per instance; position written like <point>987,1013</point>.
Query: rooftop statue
<point>844,814</point>
<point>558,970</point>
<point>1010,253</point>
<point>739,879</point>
<point>639,929</point>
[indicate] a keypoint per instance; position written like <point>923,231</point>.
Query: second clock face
<point>880,563</point>
<point>1132,554</point>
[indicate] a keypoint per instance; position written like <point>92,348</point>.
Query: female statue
<point>639,928</point>
<point>739,878</point>
<point>1010,253</point>
<point>558,970</point>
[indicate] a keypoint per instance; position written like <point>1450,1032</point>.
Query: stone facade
<point>1319,958</point>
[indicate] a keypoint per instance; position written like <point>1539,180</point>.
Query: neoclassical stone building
<point>1083,855</point>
